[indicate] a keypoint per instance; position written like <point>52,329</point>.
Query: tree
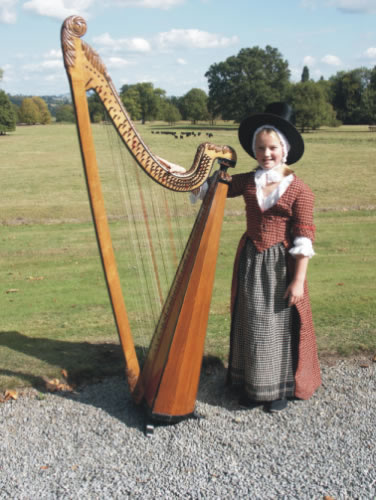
<point>142,100</point>
<point>246,83</point>
<point>97,110</point>
<point>305,74</point>
<point>349,95</point>
<point>311,106</point>
<point>194,105</point>
<point>371,97</point>
<point>7,114</point>
<point>29,112</point>
<point>44,114</point>
<point>34,110</point>
<point>131,100</point>
<point>65,113</point>
<point>170,113</point>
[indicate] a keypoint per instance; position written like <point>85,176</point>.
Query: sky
<point>173,43</point>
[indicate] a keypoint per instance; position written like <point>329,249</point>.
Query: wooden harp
<point>168,381</point>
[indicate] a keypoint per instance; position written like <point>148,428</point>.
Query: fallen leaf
<point>54,385</point>
<point>35,278</point>
<point>45,467</point>
<point>64,373</point>
<point>12,290</point>
<point>10,394</point>
<point>51,385</point>
<point>340,284</point>
<point>364,365</point>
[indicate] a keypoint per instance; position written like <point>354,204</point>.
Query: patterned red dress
<point>273,351</point>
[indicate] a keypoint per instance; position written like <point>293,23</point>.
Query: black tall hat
<point>279,115</point>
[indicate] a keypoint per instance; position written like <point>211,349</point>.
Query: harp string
<point>161,227</point>
<point>143,299</point>
<point>130,241</point>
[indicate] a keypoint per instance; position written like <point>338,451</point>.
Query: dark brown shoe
<point>276,406</point>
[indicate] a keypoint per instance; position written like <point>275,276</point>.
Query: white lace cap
<point>285,143</point>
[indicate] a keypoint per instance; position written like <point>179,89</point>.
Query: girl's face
<point>268,150</point>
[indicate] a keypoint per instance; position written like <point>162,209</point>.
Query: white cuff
<point>302,246</point>
<point>200,195</point>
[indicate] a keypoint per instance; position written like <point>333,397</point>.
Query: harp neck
<point>87,72</point>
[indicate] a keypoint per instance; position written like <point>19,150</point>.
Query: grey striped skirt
<point>264,331</point>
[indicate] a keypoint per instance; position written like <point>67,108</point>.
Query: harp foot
<point>148,429</point>
<point>152,421</point>
<point>197,416</point>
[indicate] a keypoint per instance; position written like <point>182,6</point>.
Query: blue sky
<point>172,43</point>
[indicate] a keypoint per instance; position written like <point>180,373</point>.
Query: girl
<point>273,353</point>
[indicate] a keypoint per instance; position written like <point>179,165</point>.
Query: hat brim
<point>249,126</point>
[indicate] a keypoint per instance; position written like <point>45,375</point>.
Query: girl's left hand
<point>294,292</point>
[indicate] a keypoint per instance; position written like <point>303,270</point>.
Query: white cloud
<point>355,6</point>
<point>331,60</point>
<point>8,11</point>
<point>52,77</point>
<point>308,4</point>
<point>345,6</point>
<point>181,62</point>
<point>309,61</point>
<point>116,62</point>
<point>58,9</point>
<point>8,75</point>
<point>43,66</point>
<point>53,54</point>
<point>371,53</point>
<point>128,44</point>
<point>148,4</point>
<point>193,38</point>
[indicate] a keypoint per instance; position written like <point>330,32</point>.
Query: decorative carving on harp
<point>169,378</point>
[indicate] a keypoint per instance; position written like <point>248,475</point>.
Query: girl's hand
<point>294,292</point>
<point>225,176</point>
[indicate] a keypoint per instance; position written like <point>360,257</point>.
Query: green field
<point>54,309</point>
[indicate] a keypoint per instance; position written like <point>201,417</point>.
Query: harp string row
<point>169,216</point>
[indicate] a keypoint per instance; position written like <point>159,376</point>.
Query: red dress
<point>290,217</point>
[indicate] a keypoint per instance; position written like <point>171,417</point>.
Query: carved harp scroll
<point>169,379</point>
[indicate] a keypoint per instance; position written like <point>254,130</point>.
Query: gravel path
<point>91,445</point>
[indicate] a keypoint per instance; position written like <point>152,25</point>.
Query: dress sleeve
<point>237,185</point>
<point>302,215</point>
<point>302,246</point>
<point>199,193</point>
<point>235,188</point>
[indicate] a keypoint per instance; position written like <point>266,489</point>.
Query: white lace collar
<point>261,181</point>
<point>268,176</point>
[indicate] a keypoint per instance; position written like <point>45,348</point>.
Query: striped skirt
<point>264,330</point>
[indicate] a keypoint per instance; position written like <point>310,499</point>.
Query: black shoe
<point>276,406</point>
<point>245,402</point>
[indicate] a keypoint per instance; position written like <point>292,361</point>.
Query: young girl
<point>273,353</point>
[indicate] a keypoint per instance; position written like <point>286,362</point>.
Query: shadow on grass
<point>84,361</point>
<point>98,372</point>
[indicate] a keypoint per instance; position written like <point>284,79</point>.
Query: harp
<point>167,383</point>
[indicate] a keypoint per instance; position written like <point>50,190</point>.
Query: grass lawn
<point>54,309</point>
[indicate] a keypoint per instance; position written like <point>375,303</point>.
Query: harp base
<point>153,420</point>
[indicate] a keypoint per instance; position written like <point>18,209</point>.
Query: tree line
<point>242,84</point>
